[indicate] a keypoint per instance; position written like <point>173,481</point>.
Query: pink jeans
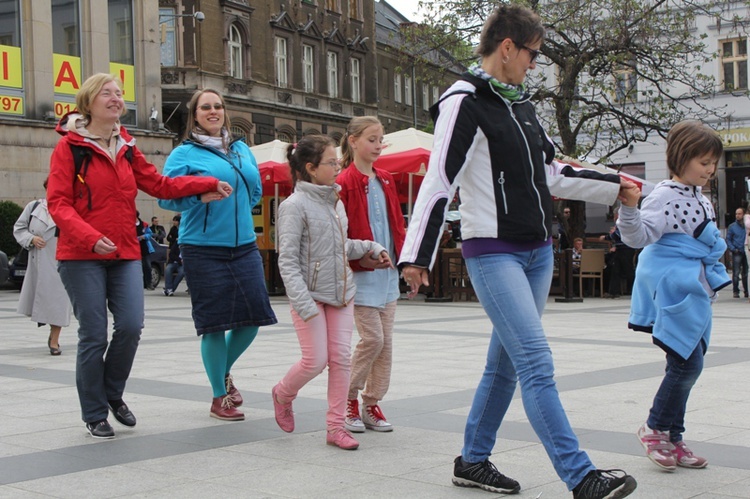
<point>373,355</point>
<point>325,340</point>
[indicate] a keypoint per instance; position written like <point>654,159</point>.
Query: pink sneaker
<point>341,438</point>
<point>283,412</point>
<point>685,457</point>
<point>658,447</point>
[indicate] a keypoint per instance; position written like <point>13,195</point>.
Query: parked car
<point>4,269</point>
<point>17,271</point>
<point>158,262</point>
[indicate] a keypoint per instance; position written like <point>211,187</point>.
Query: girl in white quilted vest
<point>314,254</point>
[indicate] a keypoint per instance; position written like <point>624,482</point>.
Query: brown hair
<point>91,88</point>
<point>355,128</point>
<point>688,140</point>
<point>522,25</point>
<point>192,128</point>
<point>309,149</point>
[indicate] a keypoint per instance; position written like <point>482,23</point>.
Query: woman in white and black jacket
<point>489,141</point>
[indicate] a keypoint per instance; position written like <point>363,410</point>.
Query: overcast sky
<point>406,7</point>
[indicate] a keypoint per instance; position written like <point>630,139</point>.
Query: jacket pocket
<point>314,279</point>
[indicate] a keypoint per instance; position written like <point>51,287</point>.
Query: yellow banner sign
<point>62,108</point>
<point>11,104</point>
<point>67,74</point>
<point>11,67</point>
<point>127,75</point>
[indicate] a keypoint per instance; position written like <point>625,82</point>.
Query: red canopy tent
<point>406,156</point>
<point>274,169</point>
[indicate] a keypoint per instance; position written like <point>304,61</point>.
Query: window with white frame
<point>435,94</point>
<point>308,70</point>
<point>734,63</point>
<point>333,74</point>
<point>425,96</point>
<point>397,87</point>
<point>407,90</point>
<point>356,81</point>
<point>235,52</point>
<point>282,71</point>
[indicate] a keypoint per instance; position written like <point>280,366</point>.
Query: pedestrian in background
<point>43,297</point>
<point>488,139</point>
<point>93,204</point>
<point>736,236</point>
<point>677,279</point>
<point>158,232</point>
<point>220,257</point>
<point>372,206</point>
<point>314,254</point>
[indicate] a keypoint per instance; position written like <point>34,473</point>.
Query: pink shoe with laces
<point>283,412</point>
<point>685,457</point>
<point>658,447</point>
<point>341,438</point>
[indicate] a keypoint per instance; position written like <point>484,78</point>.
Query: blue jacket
<point>669,299</point>
<point>225,223</point>
<point>736,236</point>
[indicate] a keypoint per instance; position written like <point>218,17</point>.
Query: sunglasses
<point>207,107</point>
<point>533,53</point>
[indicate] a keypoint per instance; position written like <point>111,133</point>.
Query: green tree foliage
<point>9,213</point>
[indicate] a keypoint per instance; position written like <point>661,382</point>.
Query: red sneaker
<point>223,408</point>
<point>232,391</point>
<point>353,422</point>
<point>658,447</point>
<point>685,457</point>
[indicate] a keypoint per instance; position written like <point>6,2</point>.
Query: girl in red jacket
<point>371,201</point>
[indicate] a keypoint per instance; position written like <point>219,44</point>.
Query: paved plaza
<point>606,374</point>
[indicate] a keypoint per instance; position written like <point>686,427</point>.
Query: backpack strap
<point>81,160</point>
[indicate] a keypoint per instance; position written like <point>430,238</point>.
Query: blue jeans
<point>513,289</point>
<point>670,402</point>
<point>102,367</point>
<point>739,269</point>
<point>173,275</point>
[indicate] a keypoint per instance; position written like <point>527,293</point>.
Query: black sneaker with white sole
<point>605,484</point>
<point>100,429</point>
<point>483,475</point>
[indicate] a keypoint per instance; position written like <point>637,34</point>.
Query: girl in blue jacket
<point>222,264</point>
<point>677,278</point>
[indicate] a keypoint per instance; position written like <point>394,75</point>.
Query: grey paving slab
<point>606,375</point>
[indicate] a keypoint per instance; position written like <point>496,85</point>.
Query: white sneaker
<point>374,420</point>
<point>353,422</point>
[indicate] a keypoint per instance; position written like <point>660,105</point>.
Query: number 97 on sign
<point>10,104</point>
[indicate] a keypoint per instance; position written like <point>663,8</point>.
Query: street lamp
<point>198,15</point>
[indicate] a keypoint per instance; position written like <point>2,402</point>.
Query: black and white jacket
<point>499,154</point>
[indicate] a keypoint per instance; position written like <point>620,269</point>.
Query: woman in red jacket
<point>371,202</point>
<point>95,174</point>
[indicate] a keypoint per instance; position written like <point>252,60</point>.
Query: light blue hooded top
<point>224,223</point>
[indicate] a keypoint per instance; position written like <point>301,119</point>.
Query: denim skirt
<point>227,287</point>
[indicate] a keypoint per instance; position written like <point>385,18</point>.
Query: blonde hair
<point>91,88</point>
<point>355,128</point>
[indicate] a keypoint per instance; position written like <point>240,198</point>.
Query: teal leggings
<point>221,350</point>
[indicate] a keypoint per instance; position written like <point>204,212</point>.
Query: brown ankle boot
<point>224,408</point>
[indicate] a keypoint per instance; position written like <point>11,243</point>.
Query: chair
<point>592,267</point>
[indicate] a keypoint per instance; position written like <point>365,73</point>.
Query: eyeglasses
<point>207,107</point>
<point>334,163</point>
<point>533,53</point>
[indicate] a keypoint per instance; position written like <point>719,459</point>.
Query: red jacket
<point>354,196</point>
<point>113,187</point>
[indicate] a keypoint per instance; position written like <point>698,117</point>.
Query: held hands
<point>382,261</point>
<point>629,193</point>
<point>415,277</point>
<point>223,190</point>
<point>38,242</point>
<point>104,246</point>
